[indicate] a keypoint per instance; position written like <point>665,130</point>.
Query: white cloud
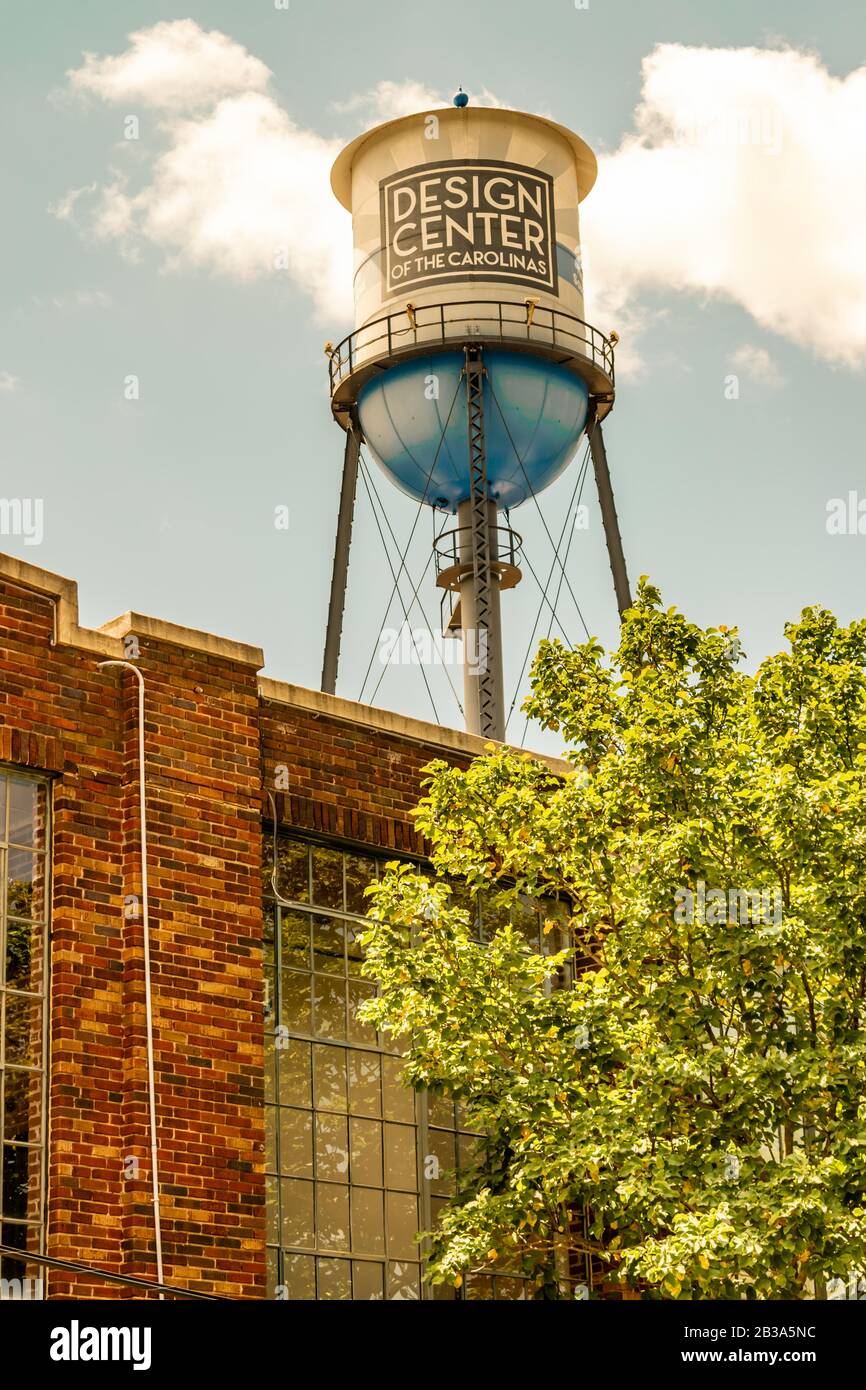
<point>244,192</point>
<point>757,363</point>
<point>8,382</point>
<point>745,180</point>
<point>173,66</point>
<point>239,189</point>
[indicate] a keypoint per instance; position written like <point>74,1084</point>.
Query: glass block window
<point>356,1163</point>
<point>24,877</point>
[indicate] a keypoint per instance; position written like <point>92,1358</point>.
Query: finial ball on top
<point>462,98</point>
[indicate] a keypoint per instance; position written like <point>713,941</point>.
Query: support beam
<point>484,702</point>
<point>609,517</point>
<point>340,572</point>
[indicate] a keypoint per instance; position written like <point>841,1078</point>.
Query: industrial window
<point>24,876</point>
<point>356,1163</point>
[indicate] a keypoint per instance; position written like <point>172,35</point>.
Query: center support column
<point>483,698</point>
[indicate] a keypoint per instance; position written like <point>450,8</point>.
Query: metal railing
<point>449,547</point>
<point>490,320</point>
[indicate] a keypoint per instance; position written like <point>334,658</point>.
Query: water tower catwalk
<point>471,374</point>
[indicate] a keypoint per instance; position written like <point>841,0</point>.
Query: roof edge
<point>341,169</point>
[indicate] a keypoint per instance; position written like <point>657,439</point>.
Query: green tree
<point>699,1090</point>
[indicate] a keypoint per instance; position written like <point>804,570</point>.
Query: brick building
<point>290,1159</point>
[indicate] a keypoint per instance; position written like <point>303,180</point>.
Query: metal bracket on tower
<point>485,639</point>
<point>340,572</point>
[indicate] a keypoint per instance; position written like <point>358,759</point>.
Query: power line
<point>579,481</point>
<point>399,593</point>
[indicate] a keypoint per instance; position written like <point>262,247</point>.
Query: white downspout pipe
<point>148,997</point>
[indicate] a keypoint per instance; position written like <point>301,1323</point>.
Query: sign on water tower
<point>454,220</point>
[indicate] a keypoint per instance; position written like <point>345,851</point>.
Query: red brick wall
<point>204,784</point>
<point>212,750</point>
<point>348,781</point>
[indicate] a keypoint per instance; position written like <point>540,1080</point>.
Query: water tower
<point>471,374</point>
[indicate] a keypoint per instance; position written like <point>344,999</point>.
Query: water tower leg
<point>484,700</point>
<point>340,572</point>
<point>609,518</point>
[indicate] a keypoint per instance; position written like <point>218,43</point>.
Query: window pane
<point>402,1225</point>
<point>440,1111</point>
<point>510,1289</point>
<point>20,1238</point>
<point>299,1276</point>
<point>24,812</point>
<point>366,1152</point>
<point>330,1007</point>
<point>269,914</point>
<point>22,1106</point>
<point>272,1273</point>
<point>296,1143</point>
<point>329,1068</point>
<point>354,949</point>
<point>442,1147</point>
<point>400,1158</point>
<point>368,1228</point>
<point>365,1085</point>
<point>20,869</point>
<point>23,1030</point>
<point>293,1068</point>
<point>335,1279</point>
<point>295,938</point>
<point>359,872</point>
<point>270,1139</point>
<point>24,956</point>
<point>360,1032</point>
<point>269,1001</point>
<point>468,1147</point>
<point>292,871</point>
<point>399,1099</point>
<point>327,877</point>
<point>479,1286</point>
<point>332,1147</point>
<point>297,1204</point>
<point>273,1209</point>
<point>525,918</point>
<point>366,1280</point>
<point>404,1282</point>
<point>295,1011</point>
<point>270,1066</point>
<point>21,1175</point>
<point>332,1216</point>
<point>328,938</point>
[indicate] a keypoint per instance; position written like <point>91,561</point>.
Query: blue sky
<point>713,254</point>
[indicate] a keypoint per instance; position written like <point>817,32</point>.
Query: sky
<point>163,385</point>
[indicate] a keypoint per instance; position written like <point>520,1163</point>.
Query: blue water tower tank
<point>413,417</point>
